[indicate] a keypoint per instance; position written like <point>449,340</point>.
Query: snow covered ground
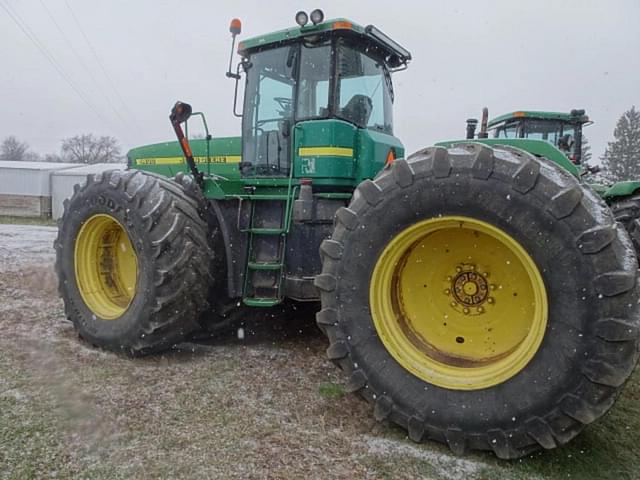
<point>266,405</point>
<point>26,244</point>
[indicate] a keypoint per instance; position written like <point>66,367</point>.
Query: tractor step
<point>268,225</point>
<point>260,301</point>
<point>266,231</point>
<point>265,265</point>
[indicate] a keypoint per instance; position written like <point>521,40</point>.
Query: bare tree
<point>87,148</point>
<point>53,157</point>
<point>14,150</point>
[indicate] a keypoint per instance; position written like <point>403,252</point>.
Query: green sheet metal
<point>622,189</point>
<point>167,158</point>
<point>297,32</point>
<point>565,117</point>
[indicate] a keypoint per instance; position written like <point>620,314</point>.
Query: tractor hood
<point>220,157</point>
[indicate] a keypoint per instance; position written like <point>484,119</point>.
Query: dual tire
<point>133,262</point>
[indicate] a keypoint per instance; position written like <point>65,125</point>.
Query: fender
<point>235,243</point>
<point>621,189</point>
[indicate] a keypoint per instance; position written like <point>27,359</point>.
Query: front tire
<point>132,260</point>
<point>529,370</point>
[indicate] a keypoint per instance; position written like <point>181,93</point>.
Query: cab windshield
<point>549,130</point>
<point>327,78</point>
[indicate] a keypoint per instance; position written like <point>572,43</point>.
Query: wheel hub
<point>470,288</point>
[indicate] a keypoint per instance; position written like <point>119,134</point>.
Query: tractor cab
<point>563,130</point>
<point>309,91</point>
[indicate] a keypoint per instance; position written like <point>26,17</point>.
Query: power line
<point>22,25</point>
<point>81,61</point>
<point>98,61</point>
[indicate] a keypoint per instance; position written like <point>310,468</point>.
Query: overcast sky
<point>507,55</point>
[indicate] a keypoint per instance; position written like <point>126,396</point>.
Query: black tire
<point>173,254</point>
<point>223,313</point>
<point>627,212</point>
<point>589,348</point>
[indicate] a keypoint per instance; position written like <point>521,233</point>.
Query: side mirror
<point>180,112</point>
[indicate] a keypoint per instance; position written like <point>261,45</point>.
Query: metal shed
<point>62,182</point>
<point>25,188</point>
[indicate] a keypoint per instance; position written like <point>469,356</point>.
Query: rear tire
<point>166,276</point>
<point>589,346</point>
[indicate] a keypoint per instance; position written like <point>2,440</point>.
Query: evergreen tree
<point>621,159</point>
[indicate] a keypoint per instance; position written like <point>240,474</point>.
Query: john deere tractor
<point>562,135</point>
<point>476,294</point>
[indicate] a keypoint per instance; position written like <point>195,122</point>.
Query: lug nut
<point>490,300</point>
<point>466,311</point>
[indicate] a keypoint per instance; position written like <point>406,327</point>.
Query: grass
<point>267,406</point>
<point>331,390</point>
<point>6,219</point>
<point>608,449</point>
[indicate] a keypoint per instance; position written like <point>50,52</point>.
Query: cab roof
<point>562,116</point>
<point>398,56</point>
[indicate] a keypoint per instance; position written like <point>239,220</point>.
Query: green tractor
<point>562,136</point>
<point>477,295</point>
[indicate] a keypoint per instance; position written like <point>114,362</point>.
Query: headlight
<point>301,18</point>
<point>317,16</point>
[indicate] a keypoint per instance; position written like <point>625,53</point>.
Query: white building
<point>62,182</point>
<point>25,187</point>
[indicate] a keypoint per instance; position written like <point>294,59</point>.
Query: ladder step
<point>260,301</point>
<point>265,266</point>
<point>266,231</point>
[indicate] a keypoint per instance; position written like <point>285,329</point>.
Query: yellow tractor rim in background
<point>106,266</point>
<point>458,302</point>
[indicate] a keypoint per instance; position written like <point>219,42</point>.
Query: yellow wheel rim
<point>458,302</point>
<point>106,266</point>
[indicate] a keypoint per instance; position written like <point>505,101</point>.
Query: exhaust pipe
<point>484,124</point>
<point>472,123</point>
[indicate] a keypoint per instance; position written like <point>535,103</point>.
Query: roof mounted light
<point>317,16</point>
<point>302,18</point>
<point>235,27</point>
